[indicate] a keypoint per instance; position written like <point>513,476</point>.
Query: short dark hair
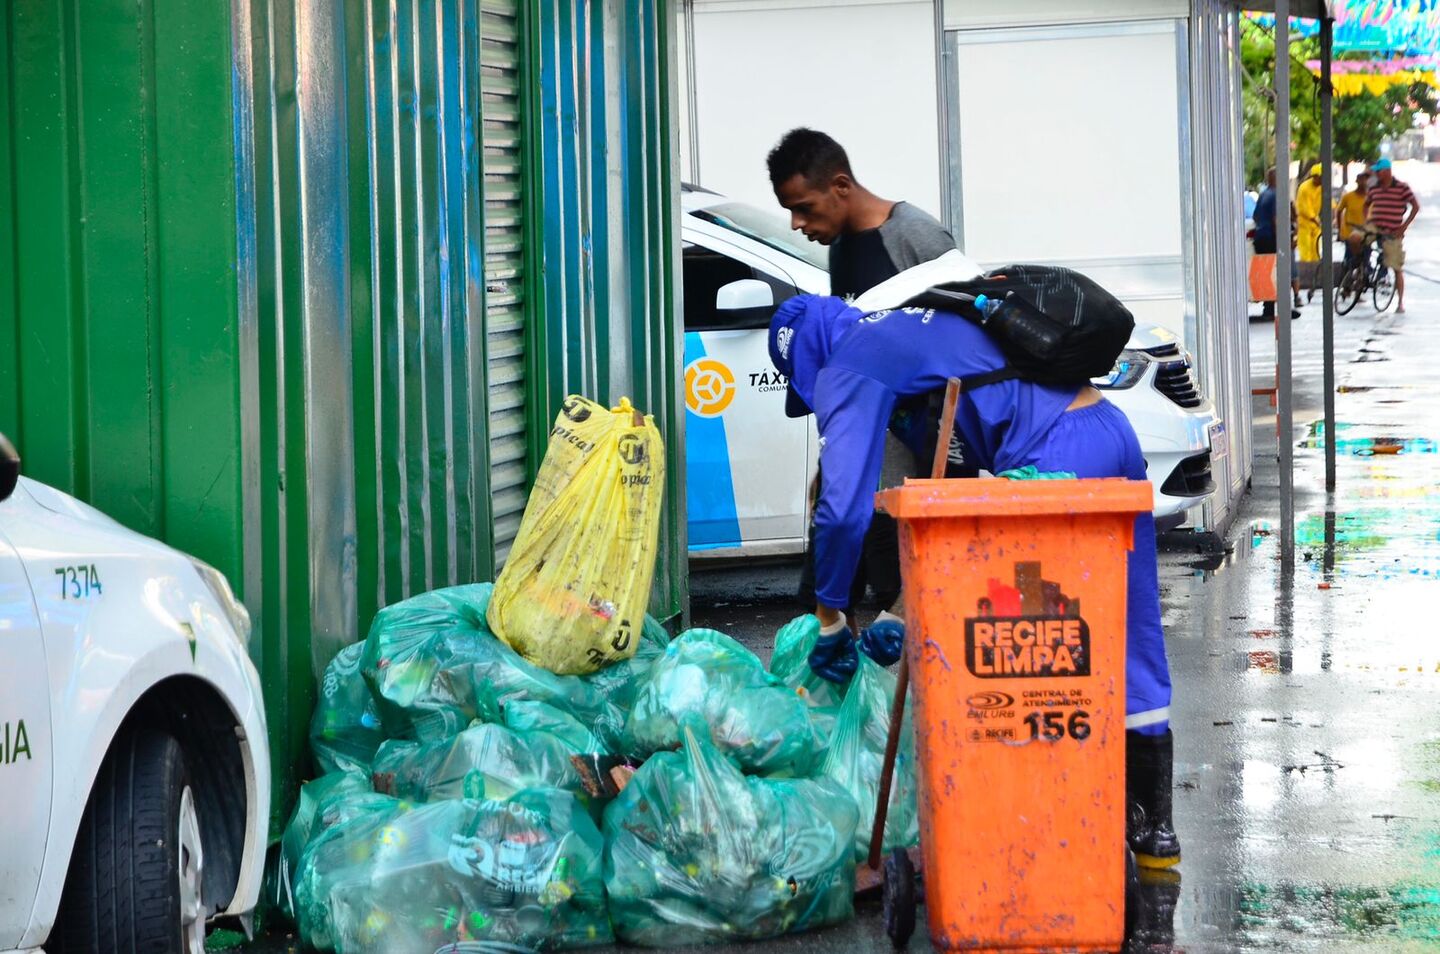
<point>808,153</point>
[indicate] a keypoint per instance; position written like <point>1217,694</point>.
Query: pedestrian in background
<point>1350,222</point>
<point>1308,198</point>
<point>1266,222</point>
<point>870,239</point>
<point>1392,207</point>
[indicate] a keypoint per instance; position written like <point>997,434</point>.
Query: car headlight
<point>234,610</point>
<point>1129,368</point>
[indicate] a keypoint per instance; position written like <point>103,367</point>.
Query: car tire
<point>135,875</point>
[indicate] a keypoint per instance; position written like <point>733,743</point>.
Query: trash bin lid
<point>996,497</point>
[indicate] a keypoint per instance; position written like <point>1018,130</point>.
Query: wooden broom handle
<point>947,429</point>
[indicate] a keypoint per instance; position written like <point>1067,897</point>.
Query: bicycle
<point>1369,272</point>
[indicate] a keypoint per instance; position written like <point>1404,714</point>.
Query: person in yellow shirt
<point>1307,207</point>
<point>1350,223</point>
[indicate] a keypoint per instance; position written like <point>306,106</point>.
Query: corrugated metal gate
<point>117,290</point>
<point>390,320</point>
<point>501,94</point>
<point>1218,280</point>
<point>290,288</point>
<point>501,98</point>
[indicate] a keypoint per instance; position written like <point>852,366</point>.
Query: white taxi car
<point>134,765</point>
<point>748,466</point>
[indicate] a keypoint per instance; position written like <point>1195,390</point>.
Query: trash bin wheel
<point>899,898</point>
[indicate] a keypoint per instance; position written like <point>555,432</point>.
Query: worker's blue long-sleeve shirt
<point>875,361</point>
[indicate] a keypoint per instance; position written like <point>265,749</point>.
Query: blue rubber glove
<point>834,658</point>
<point>884,639</point>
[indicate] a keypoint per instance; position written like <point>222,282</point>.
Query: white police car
<point>134,766</point>
<point>748,466</point>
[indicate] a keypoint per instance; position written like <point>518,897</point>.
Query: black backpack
<point>1054,325</point>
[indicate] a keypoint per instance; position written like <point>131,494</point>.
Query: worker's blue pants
<point>1098,441</point>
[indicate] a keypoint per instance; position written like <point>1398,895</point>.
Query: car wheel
<point>135,877</point>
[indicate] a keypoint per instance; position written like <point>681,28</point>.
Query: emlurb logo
<point>783,338</point>
<point>990,700</point>
<point>709,387</point>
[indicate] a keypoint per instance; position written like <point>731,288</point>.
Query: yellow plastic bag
<point>573,594</point>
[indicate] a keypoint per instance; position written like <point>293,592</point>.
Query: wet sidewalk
<point>1307,707</point>
<point>1307,726</point>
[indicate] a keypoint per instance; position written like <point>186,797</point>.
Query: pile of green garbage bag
<point>434,667</point>
<point>854,722</point>
<point>463,788</point>
<point>856,755</point>
<point>698,852</point>
<point>323,803</point>
<point>345,730</point>
<point>750,714</point>
<point>525,871</point>
<point>484,761</point>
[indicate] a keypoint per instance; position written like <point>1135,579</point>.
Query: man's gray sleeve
<point>913,236</point>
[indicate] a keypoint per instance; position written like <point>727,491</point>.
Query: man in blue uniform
<point>851,369</point>
<point>871,239</point>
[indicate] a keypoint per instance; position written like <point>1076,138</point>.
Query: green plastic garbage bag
<point>305,823</point>
<point>599,700</point>
<point>751,715</point>
<point>345,730</point>
<point>340,843</point>
<point>434,667</point>
<point>527,715</point>
<point>622,682</point>
<point>790,662</point>
<point>856,756</point>
<point>697,852</point>
<point>1031,472</point>
<point>484,761</point>
<point>526,871</point>
<point>417,657</point>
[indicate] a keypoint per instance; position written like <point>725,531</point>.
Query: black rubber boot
<point>1152,930</point>
<point>1149,769</point>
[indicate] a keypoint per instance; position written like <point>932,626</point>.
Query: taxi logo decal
<point>709,387</point>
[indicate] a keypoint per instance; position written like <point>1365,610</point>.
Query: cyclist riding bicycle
<point>1350,220</point>
<point>1367,268</point>
<point>1367,237</point>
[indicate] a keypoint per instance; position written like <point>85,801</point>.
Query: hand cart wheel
<point>900,901</point>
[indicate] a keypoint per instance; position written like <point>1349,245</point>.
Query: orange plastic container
<point>1015,621</point>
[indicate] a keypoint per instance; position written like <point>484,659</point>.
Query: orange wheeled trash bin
<point>1015,642</point>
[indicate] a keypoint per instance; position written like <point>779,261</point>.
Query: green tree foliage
<point>1257,55</point>
<point>1361,122</point>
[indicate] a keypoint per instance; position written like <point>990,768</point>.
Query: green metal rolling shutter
<point>500,92</point>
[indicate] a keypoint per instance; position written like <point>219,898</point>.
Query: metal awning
<point>1309,9</point>
<point>1324,11</point>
